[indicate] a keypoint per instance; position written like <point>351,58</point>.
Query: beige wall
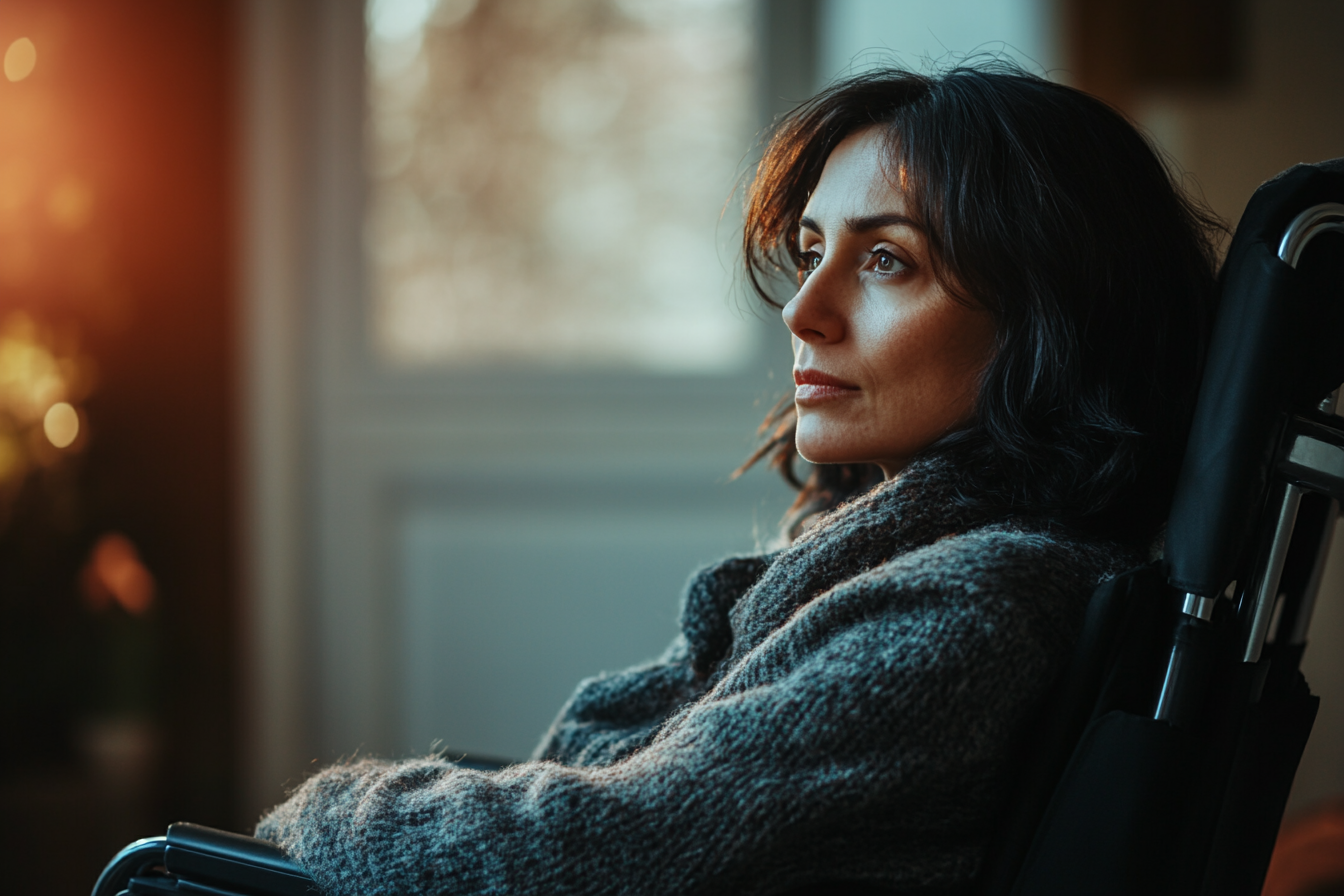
<point>1289,107</point>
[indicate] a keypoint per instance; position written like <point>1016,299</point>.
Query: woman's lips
<point>813,385</point>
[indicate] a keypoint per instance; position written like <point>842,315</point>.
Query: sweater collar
<point>917,508</point>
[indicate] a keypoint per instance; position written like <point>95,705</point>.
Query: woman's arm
<point>865,739</point>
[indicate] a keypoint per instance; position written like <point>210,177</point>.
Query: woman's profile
<point>1002,307</point>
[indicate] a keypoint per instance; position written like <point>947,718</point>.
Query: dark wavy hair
<point>1047,207</point>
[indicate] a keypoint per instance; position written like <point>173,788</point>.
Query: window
<point>545,178</point>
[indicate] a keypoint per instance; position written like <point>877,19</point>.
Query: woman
<point>1001,313</point>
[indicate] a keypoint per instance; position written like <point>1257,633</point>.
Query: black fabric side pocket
<point>1137,768</point>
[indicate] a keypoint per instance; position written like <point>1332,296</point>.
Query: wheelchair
<point>1164,759</point>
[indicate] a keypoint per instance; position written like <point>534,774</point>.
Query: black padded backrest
<point>1274,347</point>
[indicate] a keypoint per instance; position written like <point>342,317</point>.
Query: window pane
<point>547,181</point>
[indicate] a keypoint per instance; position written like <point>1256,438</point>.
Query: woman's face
<point>885,360</point>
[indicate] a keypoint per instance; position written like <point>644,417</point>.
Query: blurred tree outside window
<point>545,176</point>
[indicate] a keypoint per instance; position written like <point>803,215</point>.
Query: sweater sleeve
<point>866,739</point>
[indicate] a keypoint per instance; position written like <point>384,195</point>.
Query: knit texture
<point>843,710</point>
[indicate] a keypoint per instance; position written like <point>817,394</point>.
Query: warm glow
<point>61,424</point>
<point>17,176</point>
<point>70,204</point>
<point>20,59</point>
<point>114,573</point>
<point>32,377</point>
<point>42,382</point>
<point>11,457</point>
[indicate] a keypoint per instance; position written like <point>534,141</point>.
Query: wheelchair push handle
<point>1311,459</point>
<point>1272,355</point>
<point>1286,497</point>
<point>1327,217</point>
<point>1296,452</point>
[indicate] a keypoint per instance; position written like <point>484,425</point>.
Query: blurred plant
<point>43,379</point>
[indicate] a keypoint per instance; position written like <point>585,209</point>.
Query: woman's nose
<point>812,314</point>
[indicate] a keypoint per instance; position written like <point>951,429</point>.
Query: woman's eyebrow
<point>864,223</point>
<point>874,222</point>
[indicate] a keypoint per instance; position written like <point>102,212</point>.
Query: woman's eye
<point>886,263</point>
<point>807,264</point>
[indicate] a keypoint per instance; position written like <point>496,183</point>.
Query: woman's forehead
<point>857,182</point>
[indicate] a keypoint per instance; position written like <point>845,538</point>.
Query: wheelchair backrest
<point>1165,761</point>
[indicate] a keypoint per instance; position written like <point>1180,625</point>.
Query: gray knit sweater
<point>844,709</point>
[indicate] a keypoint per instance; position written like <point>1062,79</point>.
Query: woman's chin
<point>826,451</point>
<point>824,448</point>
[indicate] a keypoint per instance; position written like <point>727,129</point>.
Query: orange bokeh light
<point>115,573</point>
<point>61,424</point>
<point>20,59</point>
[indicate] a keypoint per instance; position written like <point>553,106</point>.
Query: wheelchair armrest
<point>196,852</point>
<point>141,857</point>
<point>197,859</point>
